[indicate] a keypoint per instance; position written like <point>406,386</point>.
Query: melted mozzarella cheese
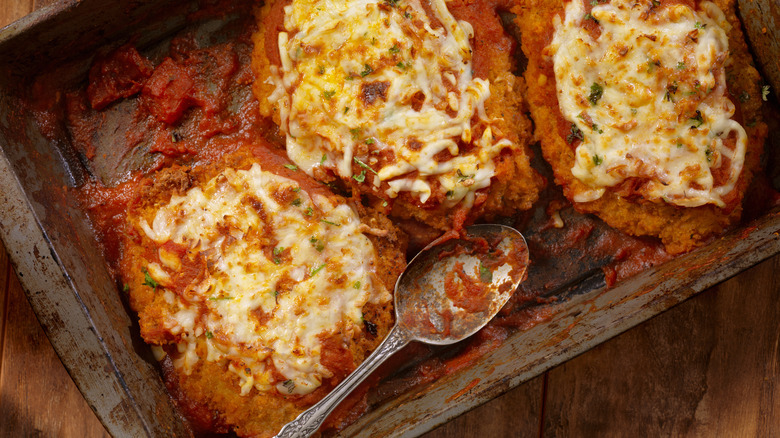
<point>313,282</point>
<point>362,79</point>
<point>648,96</point>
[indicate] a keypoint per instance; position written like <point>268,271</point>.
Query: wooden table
<point>708,367</point>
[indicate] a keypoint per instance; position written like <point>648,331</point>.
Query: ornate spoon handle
<point>311,419</point>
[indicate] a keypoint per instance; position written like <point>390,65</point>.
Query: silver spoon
<point>446,294</point>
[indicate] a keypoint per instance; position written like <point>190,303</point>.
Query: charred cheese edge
<point>253,304</point>
<point>364,78</point>
<point>648,99</point>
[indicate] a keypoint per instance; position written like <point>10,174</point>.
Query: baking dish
<point>53,250</point>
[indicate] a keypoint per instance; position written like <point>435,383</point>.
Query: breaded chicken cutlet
<point>648,111</point>
<point>412,104</point>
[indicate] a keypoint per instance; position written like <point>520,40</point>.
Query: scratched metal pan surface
<point>57,259</point>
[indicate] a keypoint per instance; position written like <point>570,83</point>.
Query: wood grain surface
<point>708,367</point>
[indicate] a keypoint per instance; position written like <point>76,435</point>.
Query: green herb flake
<point>364,165</point>
<point>369,141</point>
<point>485,274</point>
<point>395,49</point>
<point>330,223</point>
<point>384,203</point>
<point>296,202</point>
<point>126,287</point>
<point>356,285</point>
<point>220,298</point>
<point>355,133</point>
<point>318,269</point>
<point>148,280</point>
<point>597,160</point>
<point>765,92</point>
<point>309,211</point>
<point>209,335</point>
<point>360,178</point>
<point>708,154</point>
<point>407,15</point>
<point>697,120</point>
<point>346,109</point>
<point>321,69</point>
<point>322,160</point>
<point>278,250</point>
<point>680,65</point>
<point>575,134</point>
<point>328,94</point>
<point>367,70</point>
<point>588,16</point>
<point>699,25</point>
<point>596,91</point>
<point>291,166</point>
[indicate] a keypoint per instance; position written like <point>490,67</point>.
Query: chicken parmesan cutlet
<point>258,289</point>
<point>410,102</point>
<point>648,111</point>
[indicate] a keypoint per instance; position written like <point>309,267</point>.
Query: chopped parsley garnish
<point>346,108</point>
<point>321,69</point>
<point>278,250</point>
<point>356,285</point>
<point>407,15</point>
<point>148,280</point>
<point>679,144</point>
<point>575,134</point>
<point>328,94</point>
<point>485,274</point>
<point>297,189</point>
<point>317,244</point>
<point>596,91</point>
<point>594,127</point>
<point>401,65</point>
<point>296,202</point>
<point>322,160</point>
<point>462,176</point>
<point>309,211</point>
<point>355,133</point>
<point>708,154</point>
<point>697,120</point>
<point>699,25</point>
<point>680,65</point>
<point>209,335</point>
<point>366,71</point>
<point>126,287</point>
<point>395,49</point>
<point>384,203</point>
<point>392,3</point>
<point>364,165</point>
<point>588,16</point>
<point>318,269</point>
<point>291,166</point>
<point>369,141</point>
<point>330,223</point>
<point>220,298</point>
<point>360,178</point>
<point>597,160</point>
<point>289,385</point>
<point>764,92</point>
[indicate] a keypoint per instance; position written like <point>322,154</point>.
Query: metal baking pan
<point>57,259</point>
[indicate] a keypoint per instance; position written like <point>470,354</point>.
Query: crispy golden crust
<point>515,185</point>
<point>210,394</point>
<point>680,229</point>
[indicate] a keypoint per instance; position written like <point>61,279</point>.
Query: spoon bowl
<point>447,293</point>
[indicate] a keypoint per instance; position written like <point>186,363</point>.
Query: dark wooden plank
<point>5,272</point>
<point>515,414</point>
<point>708,367</point>
<point>38,396</point>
